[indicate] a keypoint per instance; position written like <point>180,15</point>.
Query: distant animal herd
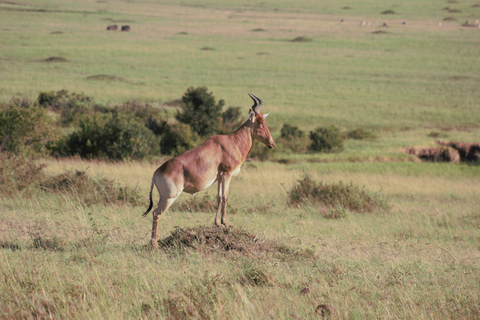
<point>114,27</point>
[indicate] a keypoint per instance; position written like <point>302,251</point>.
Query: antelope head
<point>260,130</point>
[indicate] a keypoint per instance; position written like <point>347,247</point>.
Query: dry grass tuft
<point>90,191</point>
<point>337,195</point>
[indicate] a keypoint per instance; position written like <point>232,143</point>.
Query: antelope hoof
<point>226,225</point>
<point>154,243</point>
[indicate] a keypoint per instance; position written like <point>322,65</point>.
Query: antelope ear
<point>265,115</point>
<point>251,116</point>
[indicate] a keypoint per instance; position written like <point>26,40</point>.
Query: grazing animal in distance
<point>216,160</point>
<point>113,27</point>
<point>126,28</point>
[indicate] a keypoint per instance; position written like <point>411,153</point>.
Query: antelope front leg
<point>225,199</point>
<point>220,200</point>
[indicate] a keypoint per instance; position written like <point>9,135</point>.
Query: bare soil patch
<point>105,77</point>
<point>301,39</point>
<point>55,59</point>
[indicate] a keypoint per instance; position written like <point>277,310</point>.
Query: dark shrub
<point>289,131</point>
<point>25,127</point>
<point>200,111</point>
<point>293,139</point>
<point>360,134</point>
<point>337,195</point>
<point>326,139</point>
<point>18,173</point>
<point>110,136</point>
<point>231,120</point>
<point>177,139</point>
<point>155,119</point>
<point>70,106</point>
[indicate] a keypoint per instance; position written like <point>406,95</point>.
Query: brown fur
<point>216,160</point>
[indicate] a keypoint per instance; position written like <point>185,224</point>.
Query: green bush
<point>155,119</point>
<point>326,139</point>
<point>200,111</point>
<point>25,127</point>
<point>231,120</point>
<point>111,136</point>
<point>70,106</point>
<point>289,131</point>
<point>177,139</point>
<point>293,139</point>
<point>337,195</point>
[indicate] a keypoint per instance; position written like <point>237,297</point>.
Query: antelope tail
<point>151,202</point>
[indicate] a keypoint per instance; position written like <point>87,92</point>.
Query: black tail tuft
<point>149,208</point>
<point>151,202</point>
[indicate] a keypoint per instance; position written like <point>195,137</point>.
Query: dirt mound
<point>55,59</point>
<point>233,240</point>
<point>301,39</point>
<point>105,77</point>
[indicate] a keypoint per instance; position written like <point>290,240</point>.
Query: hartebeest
<point>218,159</point>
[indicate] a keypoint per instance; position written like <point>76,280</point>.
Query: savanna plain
<point>406,71</point>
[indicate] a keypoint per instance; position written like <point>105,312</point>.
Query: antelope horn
<point>258,102</point>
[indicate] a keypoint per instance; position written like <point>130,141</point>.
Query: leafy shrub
<point>200,111</point>
<point>70,106</point>
<point>335,195</point>
<point>25,127</point>
<point>326,139</point>
<point>177,139</point>
<point>293,139</point>
<point>111,136</point>
<point>359,134</point>
<point>154,118</point>
<point>231,120</point>
<point>289,131</point>
<point>18,173</point>
<point>90,191</point>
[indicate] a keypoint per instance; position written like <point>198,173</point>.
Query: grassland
<point>60,258</point>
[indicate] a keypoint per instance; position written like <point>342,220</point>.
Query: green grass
<point>63,258</point>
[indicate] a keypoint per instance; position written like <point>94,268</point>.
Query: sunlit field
<point>412,81</point>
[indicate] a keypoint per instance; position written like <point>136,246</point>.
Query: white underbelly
<point>236,171</point>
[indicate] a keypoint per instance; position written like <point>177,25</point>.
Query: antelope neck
<point>243,138</point>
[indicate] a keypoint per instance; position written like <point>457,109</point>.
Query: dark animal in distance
<point>126,28</point>
<point>113,27</point>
